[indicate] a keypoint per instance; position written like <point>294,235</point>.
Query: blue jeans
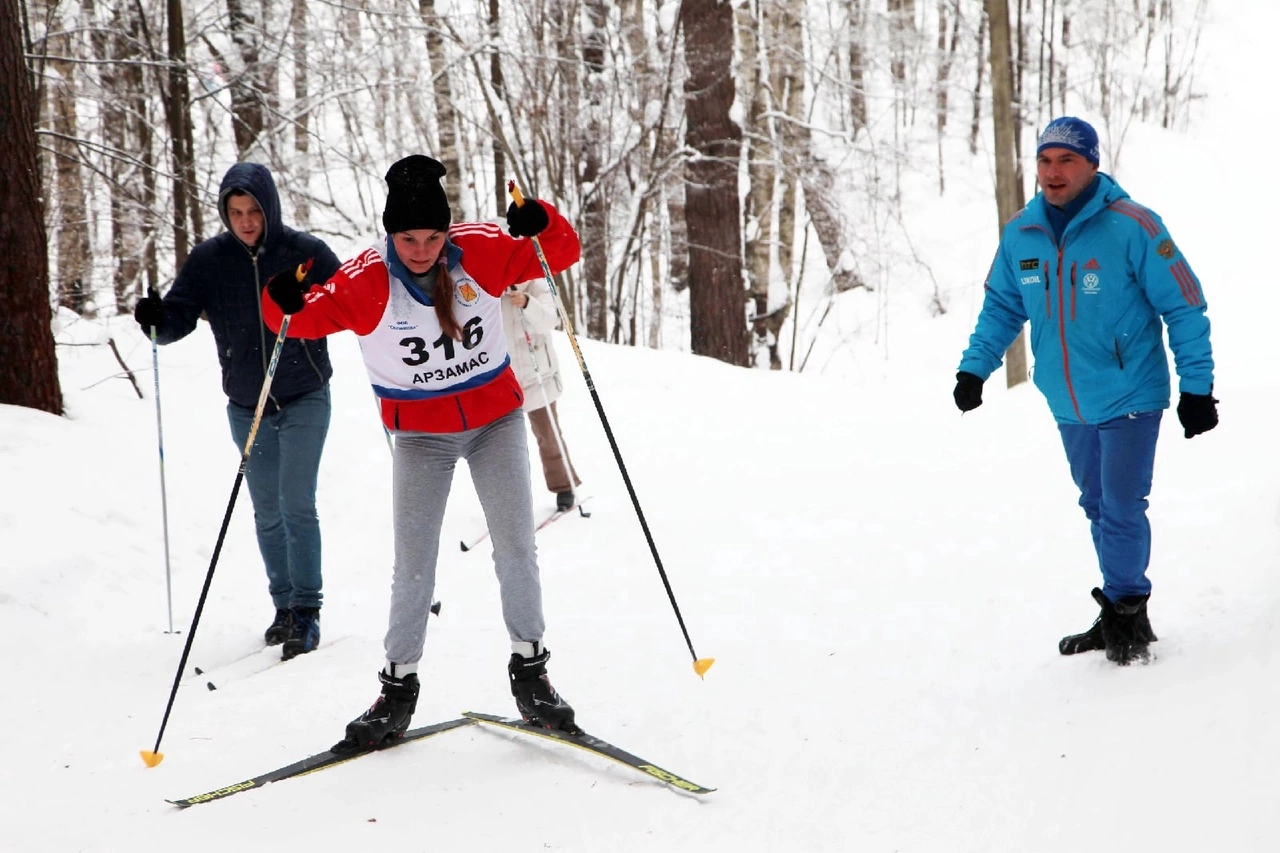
<point>1112,464</point>
<point>282,475</point>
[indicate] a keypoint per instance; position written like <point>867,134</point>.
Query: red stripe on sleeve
<point>1187,283</point>
<point>1139,214</point>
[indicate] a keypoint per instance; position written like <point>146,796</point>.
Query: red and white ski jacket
<point>427,381</point>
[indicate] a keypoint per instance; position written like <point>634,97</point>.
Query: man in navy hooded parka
<point>1097,274</point>
<point>222,280</point>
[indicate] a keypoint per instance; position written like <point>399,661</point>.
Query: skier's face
<point>419,249</point>
<point>246,219</point>
<point>1063,174</point>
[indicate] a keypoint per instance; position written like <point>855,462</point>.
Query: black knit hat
<point>415,198</point>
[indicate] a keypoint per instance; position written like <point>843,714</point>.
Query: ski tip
<point>151,759</point>
<point>464,546</point>
<point>701,665</point>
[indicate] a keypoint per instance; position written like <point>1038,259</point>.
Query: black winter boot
<point>1123,629</point>
<point>304,633</point>
<point>538,702</point>
<point>279,630</point>
<point>387,719</point>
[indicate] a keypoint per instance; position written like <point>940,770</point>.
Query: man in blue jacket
<point>222,280</point>
<point>1096,274</point>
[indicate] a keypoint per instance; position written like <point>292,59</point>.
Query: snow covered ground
<point>882,582</point>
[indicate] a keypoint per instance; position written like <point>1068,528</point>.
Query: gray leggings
<point>498,456</point>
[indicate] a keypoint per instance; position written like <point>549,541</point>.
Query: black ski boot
<point>387,719</point>
<point>1123,629</point>
<point>538,702</point>
<point>565,501</point>
<point>304,633</point>
<point>279,630</point>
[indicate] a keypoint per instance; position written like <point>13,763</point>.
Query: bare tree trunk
<point>1066,52</point>
<point>901,20</point>
<point>499,87</point>
<point>248,86</point>
<point>1009,193</point>
<point>787,87</point>
<point>716,297</point>
<point>811,173</point>
<point>144,135</point>
<point>30,374</point>
<point>595,214</point>
<point>974,128</point>
<point>1019,60</point>
<point>180,136</point>
<point>446,118</point>
<point>302,112</point>
<point>70,226</point>
<point>857,65</point>
<point>753,28</point>
<point>130,167</point>
<point>946,56</point>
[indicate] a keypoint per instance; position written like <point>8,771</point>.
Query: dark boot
<point>1122,628</point>
<point>538,702</point>
<point>1125,627</point>
<point>304,636</point>
<point>279,630</point>
<point>565,501</point>
<point>387,719</point>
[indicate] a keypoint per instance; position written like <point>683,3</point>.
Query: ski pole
<point>154,756</point>
<point>164,497</point>
<point>700,665</point>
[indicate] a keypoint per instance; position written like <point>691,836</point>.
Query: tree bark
<point>302,112</point>
<point>181,141</point>
<point>499,87</point>
<point>446,120</point>
<point>595,213</point>
<point>717,320</point>
<point>857,66</point>
<point>1010,197</point>
<point>761,167</point>
<point>70,229</point>
<point>248,85</point>
<point>30,374</point>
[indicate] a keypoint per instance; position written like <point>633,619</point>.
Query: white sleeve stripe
<point>475,228</point>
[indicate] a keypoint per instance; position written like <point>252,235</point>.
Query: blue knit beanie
<point>1071,133</point>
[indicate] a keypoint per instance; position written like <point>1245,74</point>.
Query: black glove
<point>527,220</point>
<point>968,392</point>
<point>1198,413</point>
<point>286,288</point>
<point>149,312</point>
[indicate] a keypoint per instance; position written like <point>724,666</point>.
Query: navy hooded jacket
<point>223,280</point>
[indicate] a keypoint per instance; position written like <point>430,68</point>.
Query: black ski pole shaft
<point>154,756</point>
<point>700,665</point>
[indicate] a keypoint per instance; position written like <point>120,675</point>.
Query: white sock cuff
<point>399,670</point>
<point>526,649</point>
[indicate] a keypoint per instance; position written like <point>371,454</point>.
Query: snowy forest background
<point>732,167</point>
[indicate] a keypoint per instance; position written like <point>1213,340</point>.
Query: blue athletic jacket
<point>223,280</point>
<point>1095,303</point>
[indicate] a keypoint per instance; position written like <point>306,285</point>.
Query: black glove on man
<point>286,289</point>
<point>149,312</point>
<point>968,391</point>
<point>527,220</point>
<point>1198,413</point>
